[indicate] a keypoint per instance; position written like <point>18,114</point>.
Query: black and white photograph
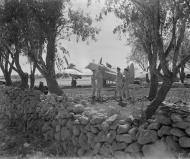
<point>94,79</point>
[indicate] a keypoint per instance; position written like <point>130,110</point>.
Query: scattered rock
<point>147,136</point>
<point>177,132</point>
<point>184,142</point>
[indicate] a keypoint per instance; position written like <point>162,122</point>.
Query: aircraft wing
<point>72,72</point>
<point>108,73</point>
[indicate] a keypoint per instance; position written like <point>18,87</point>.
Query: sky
<point>108,46</point>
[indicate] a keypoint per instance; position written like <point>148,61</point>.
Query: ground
<point>133,107</point>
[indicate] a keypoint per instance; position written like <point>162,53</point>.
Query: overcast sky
<point>108,46</point>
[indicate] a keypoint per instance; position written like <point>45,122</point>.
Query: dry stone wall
<point>73,130</point>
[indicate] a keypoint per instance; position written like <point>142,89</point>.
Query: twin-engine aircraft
<point>109,73</point>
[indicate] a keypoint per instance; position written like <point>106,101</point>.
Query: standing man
<point>119,84</point>
<point>99,77</point>
<point>93,83</point>
<point>126,82</point>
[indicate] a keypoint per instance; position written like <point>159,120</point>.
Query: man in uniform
<point>99,77</point>
<point>119,84</point>
<point>93,83</point>
<point>126,82</point>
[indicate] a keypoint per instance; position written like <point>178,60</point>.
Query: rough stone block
<point>147,136</point>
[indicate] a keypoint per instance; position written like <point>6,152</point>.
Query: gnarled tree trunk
<point>7,77</point>
<point>53,86</point>
<point>153,86</point>
<point>165,87</point>
<point>23,75</point>
<point>32,76</point>
<point>182,74</point>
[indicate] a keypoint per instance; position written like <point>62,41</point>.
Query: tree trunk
<point>151,109</point>
<point>32,80</point>
<point>52,84</point>
<point>8,80</point>
<point>182,74</point>
<point>153,86</point>
<point>23,75</point>
<point>32,76</point>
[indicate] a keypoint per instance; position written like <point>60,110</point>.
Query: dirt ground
<point>133,107</point>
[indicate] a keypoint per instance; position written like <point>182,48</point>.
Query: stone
<point>187,130</point>
<point>120,154</point>
<point>118,146</point>
<point>133,132</point>
<point>81,152</point>
<point>57,128</point>
<point>164,130</point>
<point>111,119</point>
<point>124,138</point>
<point>91,138</point>
<point>94,130</point>
<point>97,118</point>
<point>46,127</point>
<point>133,148</point>
<point>101,137</point>
<point>57,136</point>
<point>83,120</point>
<point>77,108</point>
<point>184,142</point>
<point>122,122</point>
<point>147,136</point>
<point>110,136</point>
<point>83,141</point>
<point>187,118</point>
<point>106,150</point>
<point>96,148</point>
<point>177,132</point>
<point>123,128</point>
<point>154,126</point>
<point>181,125</point>
<point>114,125</point>
<point>163,119</point>
<point>75,141</point>
<point>172,144</point>
<point>176,117</point>
<point>76,131</point>
<point>65,133</point>
<point>69,124</point>
<point>146,149</point>
<point>105,126</point>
